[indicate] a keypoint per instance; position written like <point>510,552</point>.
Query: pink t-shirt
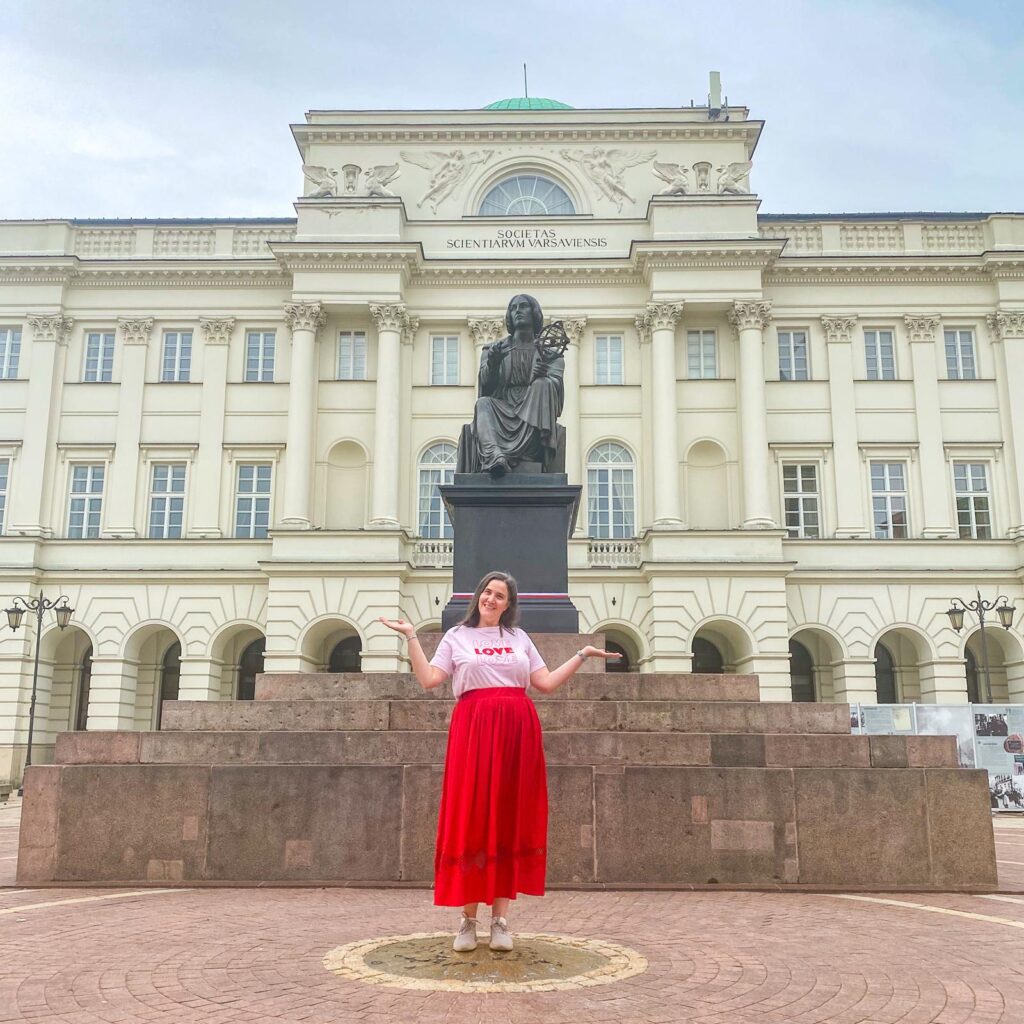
<point>478,657</point>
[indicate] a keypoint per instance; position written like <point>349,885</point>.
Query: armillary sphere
<point>552,340</point>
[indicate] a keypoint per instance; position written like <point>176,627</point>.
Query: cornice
<point>37,269</point>
<point>878,270</point>
<point>235,273</point>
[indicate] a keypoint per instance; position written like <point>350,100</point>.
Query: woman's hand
<point>399,626</point>
<point>596,652</point>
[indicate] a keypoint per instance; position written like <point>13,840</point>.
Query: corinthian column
<point>659,325</point>
<point>391,320</point>
<point>750,320</point>
<point>485,331</point>
<point>1007,327</point>
<point>305,319</point>
<point>49,340</point>
<point>935,488</point>
<point>124,469</point>
<point>216,333</point>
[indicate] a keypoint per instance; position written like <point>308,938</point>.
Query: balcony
<point>613,554</point>
<point>433,554</point>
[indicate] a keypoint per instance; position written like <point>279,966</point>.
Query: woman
<point>493,824</point>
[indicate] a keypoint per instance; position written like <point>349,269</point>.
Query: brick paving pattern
<point>84,956</point>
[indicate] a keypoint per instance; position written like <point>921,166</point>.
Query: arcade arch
<point>1006,667</point>
<point>332,637</point>
<point>900,654</point>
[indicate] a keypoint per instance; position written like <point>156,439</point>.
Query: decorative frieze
<point>921,328</point>
<point>486,330</point>
<point>253,241</point>
<point>135,330</point>
<point>871,237</point>
<point>50,327</point>
<point>104,242</point>
<point>217,330</point>
<point>389,316</point>
<point>1006,324</point>
<point>304,316</point>
<point>838,329</point>
<point>754,315</point>
<point>805,238</point>
<point>946,237</point>
<point>184,241</point>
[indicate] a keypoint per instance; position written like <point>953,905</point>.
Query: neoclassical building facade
<point>798,437</point>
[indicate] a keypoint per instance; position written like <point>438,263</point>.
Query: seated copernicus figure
<point>521,394</point>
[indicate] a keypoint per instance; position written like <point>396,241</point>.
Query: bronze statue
<point>520,397</point>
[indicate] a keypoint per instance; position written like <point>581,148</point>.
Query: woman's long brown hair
<point>510,616</point>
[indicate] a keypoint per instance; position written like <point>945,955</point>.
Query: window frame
<point>261,369</point>
<point>6,467</point>
<point>254,495</point>
<point>450,343</point>
<point>790,332</point>
<point>91,496</point>
<point>702,333</point>
<point>10,351</point>
<point>970,496</point>
<point>445,471</point>
<point>359,350</point>
<point>606,371</point>
<point>526,173</point>
<point>181,367</point>
<point>169,497</point>
<point>593,468</point>
<point>799,497</point>
<point>955,369</point>
<point>887,495</point>
<point>878,355</point>
<point>104,374</point>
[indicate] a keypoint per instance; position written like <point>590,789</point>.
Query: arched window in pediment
<point>526,195</point>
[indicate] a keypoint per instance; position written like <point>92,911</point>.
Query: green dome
<point>527,103</point>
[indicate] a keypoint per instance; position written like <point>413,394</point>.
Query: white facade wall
<point>709,557</point>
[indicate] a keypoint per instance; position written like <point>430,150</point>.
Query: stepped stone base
<point>655,780</point>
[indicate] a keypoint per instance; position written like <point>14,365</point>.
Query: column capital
<point>838,329</point>
<point>135,330</point>
<point>663,315</point>
<point>574,327</point>
<point>389,316</point>
<point>50,327</point>
<point>409,329</point>
<point>643,328</point>
<point>1006,323</point>
<point>750,315</point>
<point>485,330</point>
<point>217,330</point>
<point>922,328</point>
<point>304,316</point>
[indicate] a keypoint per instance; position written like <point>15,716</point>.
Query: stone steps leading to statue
<point>592,686</point>
<point>723,750</point>
<point>571,715</point>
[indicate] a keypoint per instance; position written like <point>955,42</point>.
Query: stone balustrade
<point>613,553</point>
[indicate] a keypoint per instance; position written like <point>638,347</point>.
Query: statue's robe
<point>515,416</point>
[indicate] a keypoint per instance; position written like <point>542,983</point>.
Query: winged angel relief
<point>447,170</point>
<point>605,167</point>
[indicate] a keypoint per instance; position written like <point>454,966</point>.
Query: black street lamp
<point>1002,607</point>
<point>15,614</point>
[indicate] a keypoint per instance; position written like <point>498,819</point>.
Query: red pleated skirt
<point>492,830</point>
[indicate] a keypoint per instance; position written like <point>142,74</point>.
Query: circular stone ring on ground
<point>539,963</point>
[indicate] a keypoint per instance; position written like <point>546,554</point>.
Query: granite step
<point>594,686</point>
<point>558,716</point>
<point>724,750</point>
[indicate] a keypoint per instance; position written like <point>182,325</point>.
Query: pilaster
<point>750,320</point>
<point>570,417</point>
<point>112,690</point>
<point>942,682</point>
<point>853,681</point>
<point>1007,328</point>
<point>122,487</point>
<point>935,486</point>
<point>392,322</point>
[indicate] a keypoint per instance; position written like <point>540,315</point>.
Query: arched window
<point>801,673</point>
<point>437,466</point>
<point>170,678</point>
<point>611,511</point>
<point>526,195</point>
<point>347,656</point>
<point>250,665</point>
<point>885,675</point>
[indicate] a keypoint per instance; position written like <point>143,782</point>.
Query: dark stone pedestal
<point>520,523</point>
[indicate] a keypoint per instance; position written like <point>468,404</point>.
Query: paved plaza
<point>85,956</point>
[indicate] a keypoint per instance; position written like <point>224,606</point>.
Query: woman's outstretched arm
<point>547,681</point>
<point>430,676</point>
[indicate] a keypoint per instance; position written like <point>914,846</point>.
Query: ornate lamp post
<point>1002,607</point>
<point>15,614</point>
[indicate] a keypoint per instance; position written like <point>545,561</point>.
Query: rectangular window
<point>880,355</point>
<point>960,362</point>
<point>801,500</point>
<point>10,352</point>
<point>5,472</point>
<point>86,503</point>
<point>252,500</point>
<point>608,359</point>
<point>701,355</point>
<point>99,356</point>
<point>177,364</point>
<point>444,360</point>
<point>889,500</point>
<point>973,501</point>
<point>259,355</point>
<point>352,355</point>
<point>793,364</point>
<point>167,500</point>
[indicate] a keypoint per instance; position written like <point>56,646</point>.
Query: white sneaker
<point>465,941</point>
<point>501,937</point>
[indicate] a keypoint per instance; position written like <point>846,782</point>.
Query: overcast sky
<point>175,108</point>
